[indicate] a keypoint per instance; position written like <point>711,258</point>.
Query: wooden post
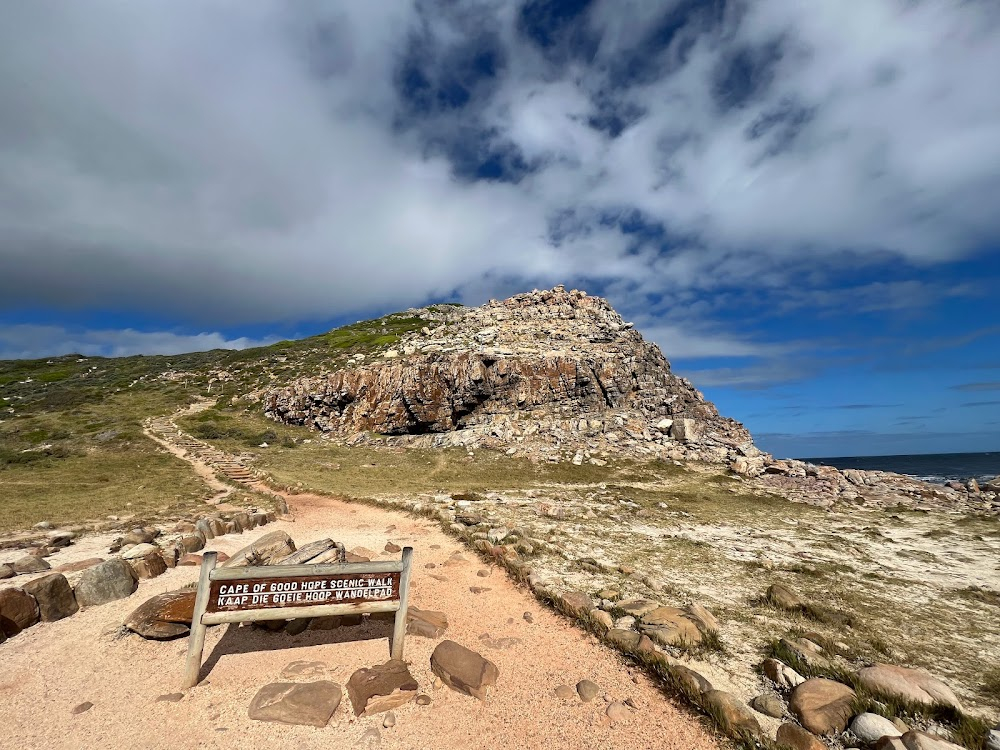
<point>399,627</point>
<point>196,641</point>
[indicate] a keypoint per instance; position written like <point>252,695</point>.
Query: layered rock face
<point>555,367</point>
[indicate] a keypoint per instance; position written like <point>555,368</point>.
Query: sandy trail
<point>49,669</point>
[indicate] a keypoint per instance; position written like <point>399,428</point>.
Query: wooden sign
<point>286,592</point>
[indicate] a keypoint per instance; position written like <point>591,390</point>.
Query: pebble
<point>565,692</point>
<point>528,617</point>
<point>390,720</point>
<point>169,698</point>
<point>484,573</point>
<point>423,699</point>
<point>618,712</point>
<point>85,706</point>
<point>588,690</point>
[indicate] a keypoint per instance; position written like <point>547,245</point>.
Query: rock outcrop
<point>546,368</point>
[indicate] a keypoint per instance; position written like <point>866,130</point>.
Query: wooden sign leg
<point>399,627</point>
<point>196,641</point>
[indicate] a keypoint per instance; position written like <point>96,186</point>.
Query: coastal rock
<point>872,727</point>
<point>30,564</point>
<point>691,682</point>
<point>426,623</point>
<point>105,582</point>
<point>264,550</point>
<point>769,705</point>
<point>733,714</point>
<point>309,703</point>
<point>54,596</point>
<point>670,626</point>
<point>823,706</point>
<point>464,670</point>
<point>163,616</point>
<point>781,674</point>
<point>915,685</point>
<point>381,688</point>
<point>783,597</point>
<point>794,737</point>
<point>149,565</point>
<point>18,611</point>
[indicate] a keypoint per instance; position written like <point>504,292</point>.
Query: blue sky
<point>797,201</point>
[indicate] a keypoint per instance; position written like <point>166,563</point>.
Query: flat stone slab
<point>309,703</point>
<point>164,616</point>
<point>425,622</point>
<point>381,688</point>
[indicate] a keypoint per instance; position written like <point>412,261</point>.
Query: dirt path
<point>49,669</point>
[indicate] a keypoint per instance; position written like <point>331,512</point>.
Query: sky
<point>798,201</point>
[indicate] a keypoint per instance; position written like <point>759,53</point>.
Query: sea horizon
<point>930,467</point>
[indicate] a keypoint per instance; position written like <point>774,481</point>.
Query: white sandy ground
<point>52,667</point>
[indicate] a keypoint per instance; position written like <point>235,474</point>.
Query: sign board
<point>286,592</point>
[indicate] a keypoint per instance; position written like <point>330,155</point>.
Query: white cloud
<point>36,341</point>
<point>230,164</point>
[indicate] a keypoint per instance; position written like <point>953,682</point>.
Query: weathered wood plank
<point>291,613</point>
<point>302,591</point>
<point>196,641</point>
<point>289,571</point>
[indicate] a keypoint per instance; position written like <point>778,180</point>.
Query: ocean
<point>930,467</point>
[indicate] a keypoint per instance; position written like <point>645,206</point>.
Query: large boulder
<point>381,688</point>
<point>914,685</point>
<point>54,596</point>
<point>823,706</point>
<point>310,703</point>
<point>149,565</point>
<point>18,610</point>
<point>576,603</point>
<point>264,550</point>
<point>106,582</point>
<point>164,616</point>
<point>464,670</point>
<point>730,712</point>
<point>794,737</point>
<point>30,564</point>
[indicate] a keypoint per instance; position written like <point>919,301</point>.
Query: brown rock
<point>381,688</point>
<point>150,565</point>
<point>769,705</point>
<point>618,712</point>
<point>639,607</point>
<point>576,603</point>
<point>192,542</point>
<point>565,692</point>
<point>704,619</point>
<point>189,559</point>
<point>732,714</point>
<point>587,690</point>
<point>625,640</point>
<point>392,549</point>
<point>18,610</point>
<point>262,551</point>
<point>426,623</point>
<point>79,565</point>
<point>783,597</point>
<point>164,616</point>
<point>922,741</point>
<point>81,708</point>
<point>691,682</point>
<point>915,685</point>
<point>463,670</point>
<point>670,626</point>
<point>54,596</point>
<point>6,571</point>
<point>794,737</point>
<point>823,706</point>
<point>30,564</point>
<point>310,703</point>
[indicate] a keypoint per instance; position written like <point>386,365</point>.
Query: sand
<point>51,668</point>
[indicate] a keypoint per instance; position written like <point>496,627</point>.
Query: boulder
<point>139,551</point>
<point>823,706</point>
<point>808,651</point>
<point>381,688</point>
<point>731,712</point>
<point>464,670</point>
<point>309,703</point>
<point>54,596</point>
<point>205,528</point>
<point>163,616</point>
<point>794,737</point>
<point>18,610</point>
<point>192,542</point>
<point>624,640</point>
<point>690,681</point>
<point>781,674</point>
<point>670,626</point>
<point>262,551</point>
<point>6,571</point>
<point>783,597</point>
<point>915,685</point>
<point>59,538</point>
<point>105,582</point>
<point>306,553</point>
<point>769,705</point>
<point>73,567</point>
<point>30,564</point>
<point>704,619</point>
<point>639,607</point>
<point>872,727</point>
<point>917,741</point>
<point>425,622</point>
<point>576,603</point>
<point>150,565</point>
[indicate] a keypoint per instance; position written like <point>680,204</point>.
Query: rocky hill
<point>546,372</point>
